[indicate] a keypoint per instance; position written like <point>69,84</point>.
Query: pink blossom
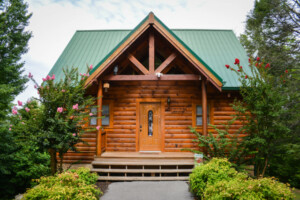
<point>59,109</point>
<point>53,76</point>
<point>23,123</point>
<point>10,125</point>
<point>9,129</point>
<point>98,127</point>
<point>20,103</point>
<point>44,79</point>
<point>91,114</point>
<point>91,66</point>
<point>14,112</point>
<point>35,86</point>
<point>74,134</point>
<point>15,108</point>
<point>30,75</point>
<point>75,107</point>
<point>63,90</point>
<point>48,77</point>
<point>80,74</point>
<point>27,109</point>
<point>88,74</point>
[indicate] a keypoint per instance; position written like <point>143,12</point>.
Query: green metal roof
<point>214,48</point>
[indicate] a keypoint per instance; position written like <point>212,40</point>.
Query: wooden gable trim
<point>188,55</point>
<point>166,63</point>
<point>122,48</point>
<point>137,64</point>
<point>152,21</point>
<point>179,77</point>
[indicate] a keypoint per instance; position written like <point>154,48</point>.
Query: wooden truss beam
<point>179,77</point>
<point>166,63</point>
<point>137,64</point>
<point>151,53</point>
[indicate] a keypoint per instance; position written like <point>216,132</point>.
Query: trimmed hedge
<point>74,184</point>
<point>219,180</point>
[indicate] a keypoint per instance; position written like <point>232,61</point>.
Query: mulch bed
<point>103,185</point>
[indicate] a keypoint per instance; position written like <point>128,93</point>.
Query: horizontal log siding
<point>177,119</point>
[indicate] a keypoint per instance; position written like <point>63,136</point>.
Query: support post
<point>204,107</point>
<point>151,53</point>
<point>99,115</point>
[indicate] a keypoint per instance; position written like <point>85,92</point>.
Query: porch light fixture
<point>116,70</point>
<point>159,75</point>
<point>168,102</point>
<point>105,86</point>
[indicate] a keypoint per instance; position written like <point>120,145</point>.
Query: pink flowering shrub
<point>63,113</point>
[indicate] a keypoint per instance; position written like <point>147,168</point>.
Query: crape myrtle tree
<point>64,113</point>
<point>260,110</point>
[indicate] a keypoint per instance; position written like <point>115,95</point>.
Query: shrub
<point>74,184</point>
<point>219,180</point>
<point>265,188</point>
<point>218,169</point>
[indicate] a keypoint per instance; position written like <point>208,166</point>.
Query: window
<point>93,118</point>
<point>199,115</point>
<point>150,123</point>
<point>105,115</point>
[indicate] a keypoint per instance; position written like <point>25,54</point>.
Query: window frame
<point>110,107</point>
<point>110,104</point>
<point>210,112</point>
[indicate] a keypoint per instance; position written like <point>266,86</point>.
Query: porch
<point>144,166</point>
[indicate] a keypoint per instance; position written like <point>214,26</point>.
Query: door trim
<point>162,114</point>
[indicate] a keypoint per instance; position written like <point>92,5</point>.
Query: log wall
<point>178,117</point>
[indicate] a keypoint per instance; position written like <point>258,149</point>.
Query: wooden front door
<point>150,126</point>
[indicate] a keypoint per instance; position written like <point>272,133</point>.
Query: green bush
<point>251,189</point>
<point>74,184</point>
<point>217,169</point>
<point>219,180</point>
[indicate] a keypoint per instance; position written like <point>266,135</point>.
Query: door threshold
<point>150,151</point>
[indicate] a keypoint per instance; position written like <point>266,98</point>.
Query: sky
<point>54,22</point>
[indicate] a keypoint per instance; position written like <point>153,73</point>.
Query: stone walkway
<point>148,190</point>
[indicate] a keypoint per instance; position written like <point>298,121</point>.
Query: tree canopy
<point>14,18</point>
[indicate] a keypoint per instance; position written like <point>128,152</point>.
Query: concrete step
<point>142,170</point>
<point>140,178</point>
<point>142,162</point>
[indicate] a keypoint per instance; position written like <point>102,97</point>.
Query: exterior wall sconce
<point>158,75</point>
<point>116,68</point>
<point>105,86</point>
<point>168,102</point>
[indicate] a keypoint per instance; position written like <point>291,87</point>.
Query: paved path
<point>148,190</point>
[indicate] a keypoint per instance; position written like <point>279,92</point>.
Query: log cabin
<point>152,84</point>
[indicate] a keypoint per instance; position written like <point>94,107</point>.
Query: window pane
<point>150,123</point>
<point>199,110</point>
<point>93,121</point>
<point>105,109</point>
<point>105,120</point>
<point>199,120</point>
<point>94,110</point>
